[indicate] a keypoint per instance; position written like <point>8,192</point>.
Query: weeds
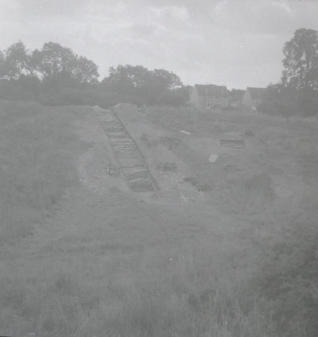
<point>134,288</point>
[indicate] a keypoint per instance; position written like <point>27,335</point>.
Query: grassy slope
<point>79,263</point>
<point>282,154</point>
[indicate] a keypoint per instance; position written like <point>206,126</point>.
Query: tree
<point>85,70</point>
<point>166,80</point>
<point>17,62</point>
<point>140,85</point>
<point>301,60</point>
<point>53,60</point>
<point>127,78</point>
<point>57,63</point>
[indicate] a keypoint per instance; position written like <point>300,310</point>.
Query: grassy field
<point>80,256</point>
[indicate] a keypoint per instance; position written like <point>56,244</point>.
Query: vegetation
<point>142,86</point>
<point>76,261</point>
<point>298,90</point>
<point>301,60</point>
<point>70,266</point>
<point>56,75</point>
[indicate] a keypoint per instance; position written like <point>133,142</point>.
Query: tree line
<point>52,62</point>
<point>297,92</point>
<point>55,74</point>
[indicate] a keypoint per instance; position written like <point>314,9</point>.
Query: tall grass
<point>195,294</point>
<point>36,167</point>
<point>181,305</point>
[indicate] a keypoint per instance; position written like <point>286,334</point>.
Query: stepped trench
<point>129,158</point>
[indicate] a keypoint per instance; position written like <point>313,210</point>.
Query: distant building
<point>253,97</point>
<point>236,97</point>
<point>209,96</point>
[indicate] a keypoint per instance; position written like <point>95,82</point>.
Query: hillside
<point>223,247</point>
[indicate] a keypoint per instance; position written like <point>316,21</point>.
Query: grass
<point>77,263</point>
<point>35,166</point>
<point>179,305</point>
<point>64,306</point>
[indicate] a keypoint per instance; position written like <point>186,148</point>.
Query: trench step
<point>141,186</point>
<point>129,158</point>
<point>137,175</point>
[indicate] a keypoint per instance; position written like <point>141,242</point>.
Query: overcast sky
<point>237,43</point>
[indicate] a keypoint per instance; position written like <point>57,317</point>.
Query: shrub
<point>308,102</point>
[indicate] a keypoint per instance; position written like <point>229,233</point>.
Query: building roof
<point>256,93</point>
<point>211,90</point>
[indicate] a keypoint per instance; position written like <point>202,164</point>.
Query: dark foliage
<point>55,75</point>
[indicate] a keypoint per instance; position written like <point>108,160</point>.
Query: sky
<point>237,43</point>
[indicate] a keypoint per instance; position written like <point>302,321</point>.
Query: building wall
<point>207,102</point>
<point>251,103</point>
<point>247,99</point>
<point>195,98</point>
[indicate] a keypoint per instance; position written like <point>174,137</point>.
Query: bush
<point>288,102</point>
<point>280,101</point>
<point>85,95</point>
<point>54,93</point>
<point>27,88</point>
<point>308,102</point>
